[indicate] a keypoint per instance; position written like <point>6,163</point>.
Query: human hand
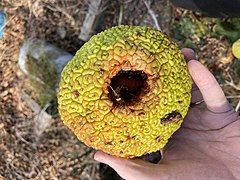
<point>207,146</point>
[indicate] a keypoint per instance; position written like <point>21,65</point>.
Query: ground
<point>56,153</point>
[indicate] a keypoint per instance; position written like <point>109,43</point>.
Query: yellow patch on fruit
<point>236,49</point>
<point>126,91</point>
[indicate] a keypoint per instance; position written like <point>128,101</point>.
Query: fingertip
<point>200,74</point>
<point>98,156</point>
<point>126,168</point>
<point>105,158</point>
<point>188,53</point>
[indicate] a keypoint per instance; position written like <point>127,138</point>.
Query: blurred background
<point>39,36</point>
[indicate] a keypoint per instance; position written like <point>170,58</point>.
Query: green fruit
<point>236,49</point>
<point>126,91</point>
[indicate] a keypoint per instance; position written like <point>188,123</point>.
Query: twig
<point>7,22</point>
<point>238,106</point>
<point>231,83</point>
<point>93,171</point>
<point>87,162</point>
<point>61,10</point>
<point>4,50</point>
<point>233,97</point>
<point>120,15</point>
<point>153,15</point>
<point>96,9</point>
<point>22,139</point>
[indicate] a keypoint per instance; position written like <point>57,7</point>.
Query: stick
<point>153,15</point>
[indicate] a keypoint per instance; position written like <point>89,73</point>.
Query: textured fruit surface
<point>126,91</point>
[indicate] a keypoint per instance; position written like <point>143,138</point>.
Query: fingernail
<point>97,158</point>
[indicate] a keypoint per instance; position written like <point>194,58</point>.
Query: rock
<point>42,63</point>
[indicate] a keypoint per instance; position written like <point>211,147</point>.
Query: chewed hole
<point>171,117</point>
<point>127,86</point>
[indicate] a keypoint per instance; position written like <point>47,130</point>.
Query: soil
<point>57,153</point>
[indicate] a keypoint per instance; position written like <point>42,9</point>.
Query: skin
<point>207,146</point>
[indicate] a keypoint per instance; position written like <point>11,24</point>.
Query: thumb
<point>127,168</point>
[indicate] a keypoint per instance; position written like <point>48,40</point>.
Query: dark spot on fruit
<point>172,117</point>
<point>158,138</point>
<point>121,141</point>
<point>101,70</point>
<point>139,34</point>
<point>121,152</point>
<point>141,113</point>
<point>72,125</point>
<point>180,102</point>
<point>109,143</point>
<point>75,94</point>
<point>132,110</point>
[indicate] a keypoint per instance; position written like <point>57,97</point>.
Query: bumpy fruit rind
<point>125,130</point>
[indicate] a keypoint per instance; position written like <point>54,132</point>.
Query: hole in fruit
<point>75,94</point>
<point>127,87</point>
<point>172,117</point>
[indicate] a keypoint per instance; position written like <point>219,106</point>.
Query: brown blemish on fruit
<point>158,138</point>
<point>109,143</point>
<point>141,114</point>
<point>172,117</point>
<point>75,94</point>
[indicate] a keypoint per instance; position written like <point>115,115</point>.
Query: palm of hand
<point>204,149</point>
<point>206,146</point>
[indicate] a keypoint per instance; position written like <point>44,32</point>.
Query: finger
<point>196,94</point>
<point>188,53</point>
<point>209,87</point>
<point>126,168</point>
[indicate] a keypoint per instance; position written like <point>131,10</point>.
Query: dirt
<point>57,153</point>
